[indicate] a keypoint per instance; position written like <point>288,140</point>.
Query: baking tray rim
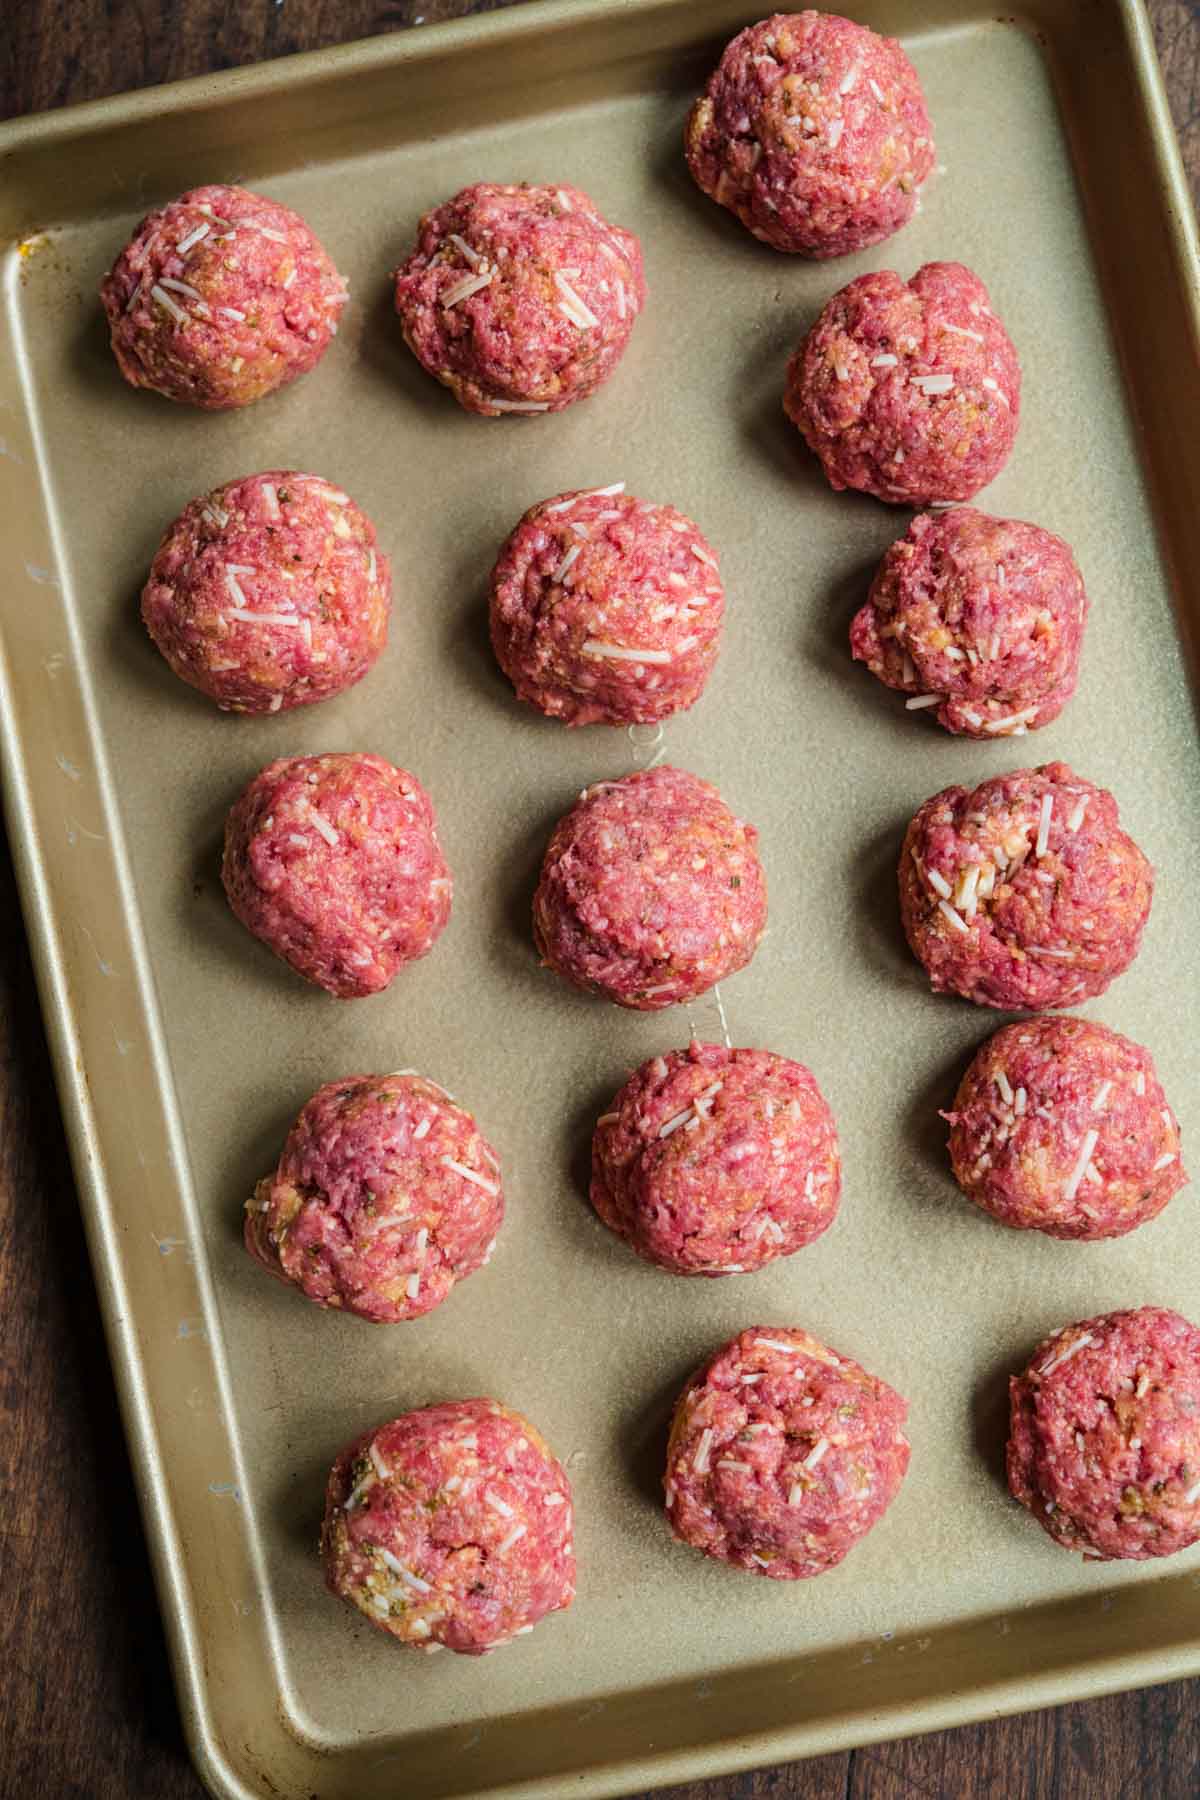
<point>1092,1677</point>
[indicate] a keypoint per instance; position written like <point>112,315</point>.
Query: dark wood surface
<point>86,1707</point>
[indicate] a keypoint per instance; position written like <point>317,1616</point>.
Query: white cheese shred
<point>1091,1139</point>
<point>575,308</point>
<point>480,1181</point>
<point>933,384</point>
<point>462,290</point>
<point>1073,1349</point>
<point>168,305</point>
<point>404,1572</point>
<point>624,652</point>
<point>192,239</point>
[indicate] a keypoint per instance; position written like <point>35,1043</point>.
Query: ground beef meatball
<point>715,1161</point>
<point>1024,893</point>
<point>651,891</point>
<point>908,390</point>
<point>270,592</point>
<point>606,609</point>
<point>1105,1442</point>
<point>386,1194</point>
<point>814,131</point>
<point>520,299</point>
<point>783,1455</point>
<point>334,862</point>
<point>451,1526</point>
<point>1061,1126</point>
<point>981,618</point>
<point>221,297</point>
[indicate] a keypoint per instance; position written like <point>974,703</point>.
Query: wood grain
<point>86,1708</point>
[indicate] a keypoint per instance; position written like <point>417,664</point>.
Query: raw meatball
<point>909,390</point>
<point>1060,1126</point>
<point>451,1526</point>
<point>221,297</point>
<point>1105,1444</point>
<point>386,1194</point>
<point>520,299</point>
<point>651,891</point>
<point>606,609</point>
<point>270,592</point>
<point>814,131</point>
<point>783,1455</point>
<point>334,862</point>
<point>1025,893</point>
<point>715,1161</point>
<point>981,618</point>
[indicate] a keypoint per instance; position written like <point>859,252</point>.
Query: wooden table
<point>86,1706</point>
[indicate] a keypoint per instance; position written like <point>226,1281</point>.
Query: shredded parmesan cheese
<point>462,290</point>
<point>625,652</point>
<point>1080,1343</point>
<point>1013,720</point>
<point>1091,1139</point>
<point>168,305</point>
<point>955,918</point>
<point>405,1573</point>
<point>489,1187</point>
<point>568,562</point>
<point>572,305</point>
<point>192,238</point>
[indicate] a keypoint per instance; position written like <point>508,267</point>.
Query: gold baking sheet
<point>183,1049</point>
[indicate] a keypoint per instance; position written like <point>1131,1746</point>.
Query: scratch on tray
<point>225,1490</point>
<point>68,768</point>
<point>75,831</point>
<point>105,968</point>
<point>124,1046</point>
<point>6,449</point>
<point>655,743</point>
<point>716,994</point>
<point>167,1245</point>
<point>46,577</point>
<point>191,1328</point>
<point>590,1712</point>
<point>54,665</point>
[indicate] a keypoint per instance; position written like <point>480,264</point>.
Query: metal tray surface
<point>183,1050</point>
